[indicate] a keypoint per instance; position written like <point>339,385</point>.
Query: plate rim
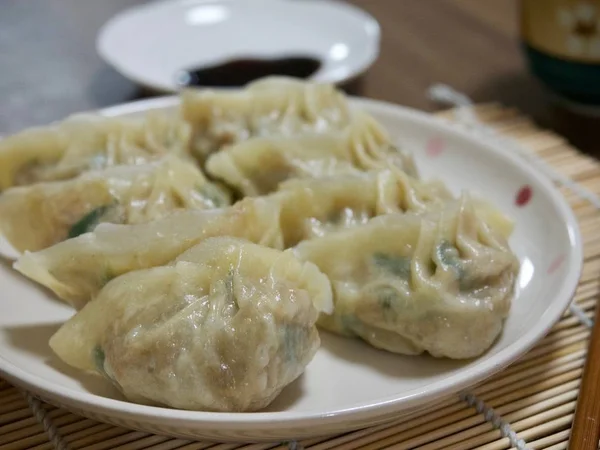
<point>108,57</point>
<point>371,410</point>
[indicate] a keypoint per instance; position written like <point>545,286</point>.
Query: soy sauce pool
<point>239,72</point>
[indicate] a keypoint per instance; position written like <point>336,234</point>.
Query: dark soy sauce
<point>239,72</point>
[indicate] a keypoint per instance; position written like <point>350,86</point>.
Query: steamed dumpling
<point>315,207</point>
<point>440,282</point>
<point>225,327</point>
<point>40,215</point>
<point>77,269</point>
<point>257,166</point>
<point>89,142</point>
<point>274,106</point>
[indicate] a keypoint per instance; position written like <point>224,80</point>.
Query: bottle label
<point>567,29</point>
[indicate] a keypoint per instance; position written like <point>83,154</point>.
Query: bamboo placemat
<point>530,405</point>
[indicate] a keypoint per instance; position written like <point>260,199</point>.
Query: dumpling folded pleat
<point>439,282</point>
<point>89,142</point>
<point>40,215</point>
<point>258,165</point>
<point>225,327</point>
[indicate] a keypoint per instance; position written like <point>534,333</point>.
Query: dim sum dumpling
<point>274,106</point>
<point>77,268</point>
<point>258,165</point>
<point>440,282</point>
<point>223,328</point>
<point>315,207</point>
<point>89,142</point>
<point>37,216</point>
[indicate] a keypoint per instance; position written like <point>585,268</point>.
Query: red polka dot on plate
<point>555,265</point>
<point>435,147</point>
<point>524,196</point>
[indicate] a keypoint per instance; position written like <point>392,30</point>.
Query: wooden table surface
<point>49,67</point>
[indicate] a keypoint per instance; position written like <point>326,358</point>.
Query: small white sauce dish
<point>150,44</point>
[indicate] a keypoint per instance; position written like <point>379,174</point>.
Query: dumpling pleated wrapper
<point>257,166</point>
<point>37,216</point>
<point>274,106</point>
<point>89,142</point>
<point>440,282</point>
<point>224,328</point>
<point>77,269</point>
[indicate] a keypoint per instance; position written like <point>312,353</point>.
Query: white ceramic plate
<point>348,385</point>
<point>150,44</point>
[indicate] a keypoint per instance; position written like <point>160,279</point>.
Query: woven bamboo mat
<point>530,405</point>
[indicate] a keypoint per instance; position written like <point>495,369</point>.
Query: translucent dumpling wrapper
<point>40,215</point>
<point>440,282</point>
<point>77,269</point>
<point>258,165</point>
<point>225,327</point>
<point>274,106</point>
<point>89,142</point>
